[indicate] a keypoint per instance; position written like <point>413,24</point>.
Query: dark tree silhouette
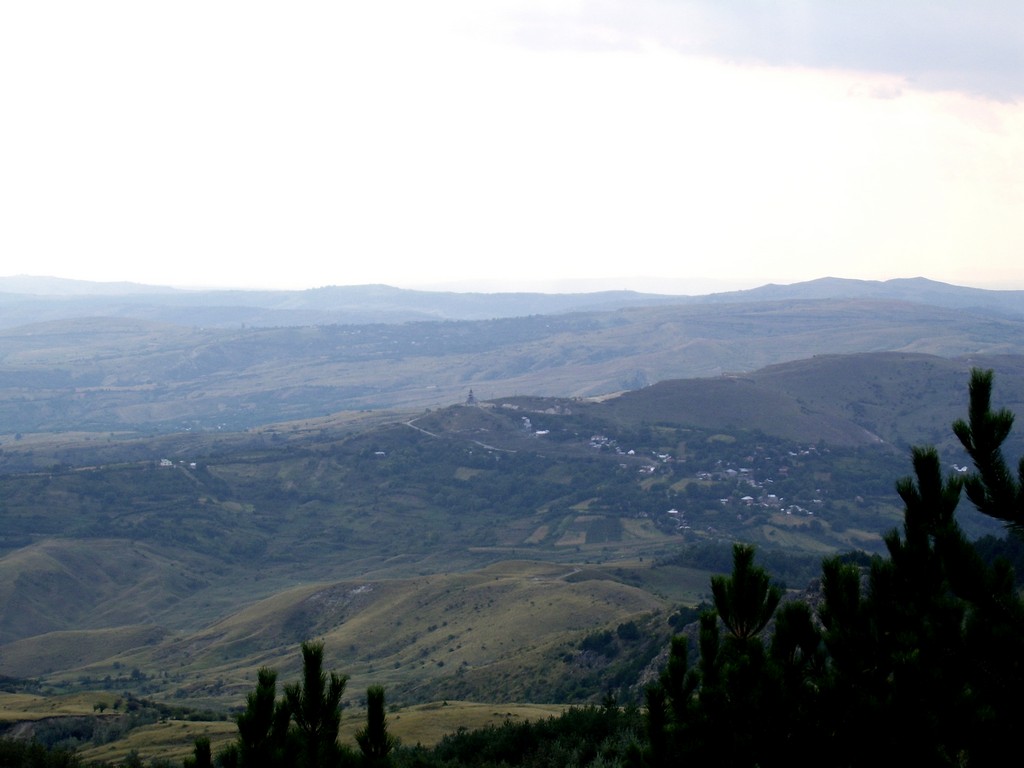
<point>991,488</point>
<point>315,706</point>
<point>374,740</point>
<point>746,600</point>
<point>263,726</point>
<point>919,658</point>
<point>201,755</point>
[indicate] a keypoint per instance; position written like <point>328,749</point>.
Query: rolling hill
<point>129,374</point>
<point>185,499</point>
<point>464,552</point>
<point>27,299</point>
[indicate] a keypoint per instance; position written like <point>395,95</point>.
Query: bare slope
<point>87,583</point>
<point>895,397</point>
<point>508,632</point>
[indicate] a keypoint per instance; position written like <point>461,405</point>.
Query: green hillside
<point>464,553</point>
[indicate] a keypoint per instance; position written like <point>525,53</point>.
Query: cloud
<point>975,47</point>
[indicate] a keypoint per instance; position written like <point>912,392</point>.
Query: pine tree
<point>693,714</point>
<point>745,600</point>
<point>374,740</point>
<point>927,661</point>
<point>991,488</point>
<point>263,726</point>
<point>201,756</point>
<point>669,703</point>
<point>919,660</point>
<point>315,706</point>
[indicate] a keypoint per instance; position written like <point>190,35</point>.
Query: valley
<point>184,506</point>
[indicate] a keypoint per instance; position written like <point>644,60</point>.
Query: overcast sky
<point>682,146</point>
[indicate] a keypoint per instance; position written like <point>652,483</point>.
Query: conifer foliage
<point>315,706</point>
<point>991,487</point>
<point>299,730</point>
<point>263,726</point>
<point>746,600</point>
<point>917,659</point>
<point>374,740</point>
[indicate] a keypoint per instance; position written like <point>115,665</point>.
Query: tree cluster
<point>917,658</point>
<point>300,729</point>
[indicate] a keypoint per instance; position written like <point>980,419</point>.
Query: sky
<point>681,146</point>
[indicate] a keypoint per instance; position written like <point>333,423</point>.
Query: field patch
<point>539,534</point>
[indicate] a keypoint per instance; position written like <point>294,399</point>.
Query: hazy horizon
<point>651,285</point>
<point>523,141</point>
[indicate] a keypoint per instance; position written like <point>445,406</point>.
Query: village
<point>745,486</point>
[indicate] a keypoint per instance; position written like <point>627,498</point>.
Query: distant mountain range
<point>918,290</point>
<point>25,299</point>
